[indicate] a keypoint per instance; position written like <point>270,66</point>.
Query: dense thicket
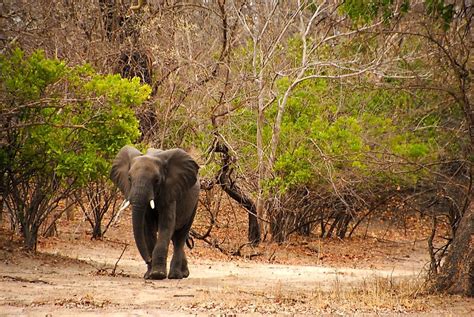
<point>327,110</point>
<point>61,127</point>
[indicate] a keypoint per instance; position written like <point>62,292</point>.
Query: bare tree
<point>270,25</point>
<point>99,198</point>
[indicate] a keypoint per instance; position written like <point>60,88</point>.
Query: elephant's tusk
<point>124,205</point>
<point>152,204</point>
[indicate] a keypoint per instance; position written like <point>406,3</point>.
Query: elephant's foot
<point>148,271</point>
<point>175,275</point>
<point>178,269</point>
<point>184,268</point>
<point>179,273</point>
<point>186,273</point>
<point>157,275</point>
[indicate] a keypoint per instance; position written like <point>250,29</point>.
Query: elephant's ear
<point>120,167</point>
<point>181,172</point>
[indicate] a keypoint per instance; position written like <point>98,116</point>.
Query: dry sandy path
<point>76,280</point>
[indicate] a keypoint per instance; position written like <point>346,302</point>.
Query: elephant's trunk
<point>138,223</point>
<point>140,205</point>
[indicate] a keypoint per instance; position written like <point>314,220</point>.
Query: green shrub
<point>63,126</point>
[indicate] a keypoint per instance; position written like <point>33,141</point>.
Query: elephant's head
<point>156,177</point>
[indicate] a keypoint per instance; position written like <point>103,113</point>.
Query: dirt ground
<point>378,274</point>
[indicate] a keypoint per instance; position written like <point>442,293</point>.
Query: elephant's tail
<point>190,242</point>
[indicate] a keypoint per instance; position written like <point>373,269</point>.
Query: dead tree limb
<point>229,186</point>
<point>118,260</point>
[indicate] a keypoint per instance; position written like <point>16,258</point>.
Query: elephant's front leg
<point>166,225</point>
<point>151,228</point>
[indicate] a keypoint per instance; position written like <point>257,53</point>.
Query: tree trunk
<point>97,230</point>
<point>254,230</point>
<point>69,209</point>
<point>3,190</point>
<point>457,273</point>
<point>30,237</point>
<point>235,192</point>
<point>262,171</point>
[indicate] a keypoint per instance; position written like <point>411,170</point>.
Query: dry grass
<point>374,294</point>
<point>371,296</point>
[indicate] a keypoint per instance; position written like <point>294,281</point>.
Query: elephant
<point>162,187</point>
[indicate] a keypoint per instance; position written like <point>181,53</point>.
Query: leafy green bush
<point>371,137</point>
<point>62,126</point>
<point>323,138</point>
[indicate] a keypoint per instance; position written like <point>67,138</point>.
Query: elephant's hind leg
<point>184,266</point>
<point>179,268</point>
<point>179,263</point>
